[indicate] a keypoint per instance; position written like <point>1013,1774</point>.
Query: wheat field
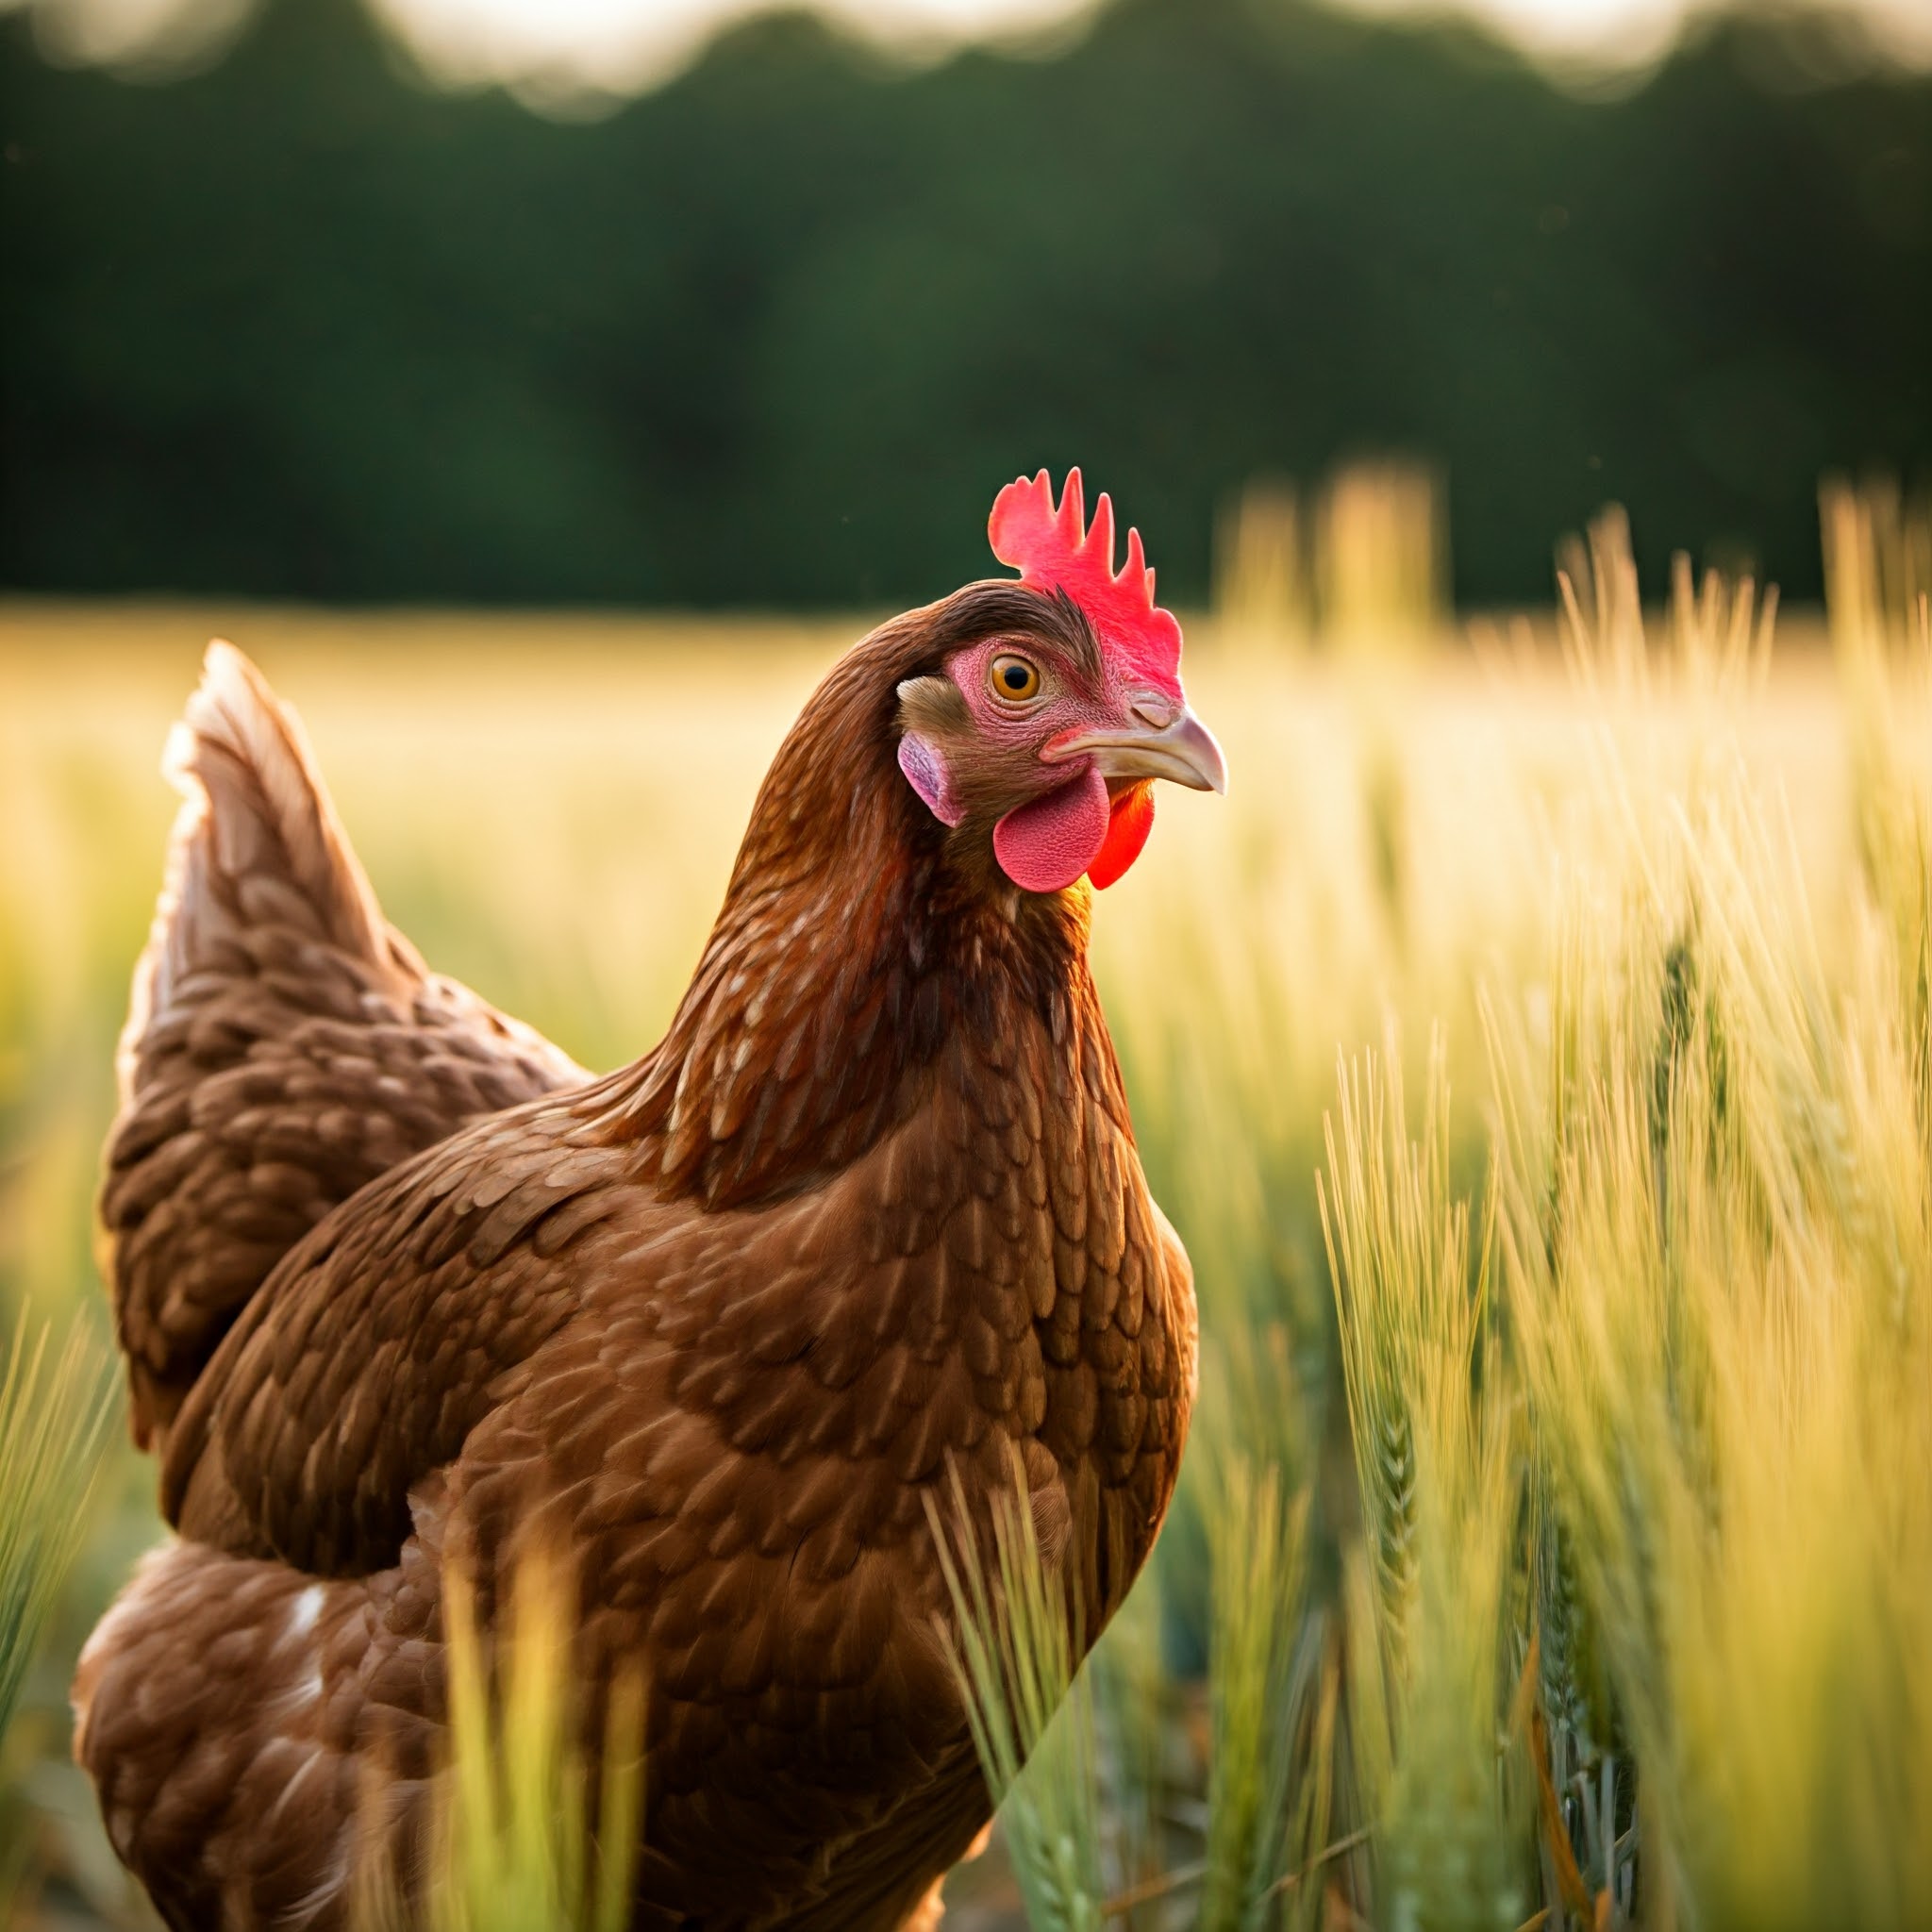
<point>1532,1050</point>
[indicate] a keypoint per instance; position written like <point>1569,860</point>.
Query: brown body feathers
<point>396,1281</point>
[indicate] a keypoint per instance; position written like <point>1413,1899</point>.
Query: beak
<point>1184,751</point>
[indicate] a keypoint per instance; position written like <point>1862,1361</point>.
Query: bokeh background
<point>528,382</point>
<point>299,303</point>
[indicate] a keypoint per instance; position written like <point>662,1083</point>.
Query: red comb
<point>1052,549</point>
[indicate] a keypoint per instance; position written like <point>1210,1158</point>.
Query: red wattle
<point>1127,827</point>
<point>1047,844</point>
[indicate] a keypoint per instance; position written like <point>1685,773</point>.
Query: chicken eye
<point>1014,679</point>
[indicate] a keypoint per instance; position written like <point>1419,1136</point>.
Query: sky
<point>562,49</point>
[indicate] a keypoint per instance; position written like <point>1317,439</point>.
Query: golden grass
<point>1586,1578</point>
<point>518,1838</point>
<point>1012,1650</point>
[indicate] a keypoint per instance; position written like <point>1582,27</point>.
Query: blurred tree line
<point>301,326</point>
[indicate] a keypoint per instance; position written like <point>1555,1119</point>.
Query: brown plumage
<point>396,1281</point>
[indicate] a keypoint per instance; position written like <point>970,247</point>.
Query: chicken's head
<point>1058,701</point>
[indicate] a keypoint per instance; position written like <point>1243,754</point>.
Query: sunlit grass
<point>1013,1645</point>
<point>1432,1416</point>
<point>56,1408</point>
<point>1257,1541</point>
<point>1554,1535</point>
<point>520,1836</point>
<point>1716,1177</point>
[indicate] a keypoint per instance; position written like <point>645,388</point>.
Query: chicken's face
<point>1045,732</point>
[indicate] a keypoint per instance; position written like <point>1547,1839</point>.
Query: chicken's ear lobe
<point>932,713</point>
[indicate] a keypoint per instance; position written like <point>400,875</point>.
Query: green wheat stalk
<point>1010,1645</point>
<point>521,1841</point>
<point>54,1432</point>
<point>1257,1545</point>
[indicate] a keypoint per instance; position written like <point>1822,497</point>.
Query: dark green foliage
<point>774,335</point>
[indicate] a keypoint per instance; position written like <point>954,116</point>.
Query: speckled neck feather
<point>857,937</point>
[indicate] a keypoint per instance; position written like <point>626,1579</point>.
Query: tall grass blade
<point>1011,1647</point>
<point>520,1839</point>
<point>1430,1597</point>
<point>55,1412</point>
<point>1257,1544</point>
<point>1714,1244</point>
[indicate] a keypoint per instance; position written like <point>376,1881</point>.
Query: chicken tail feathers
<point>257,819</point>
<point>283,1045</point>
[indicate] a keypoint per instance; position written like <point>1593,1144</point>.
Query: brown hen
<point>399,1283</point>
